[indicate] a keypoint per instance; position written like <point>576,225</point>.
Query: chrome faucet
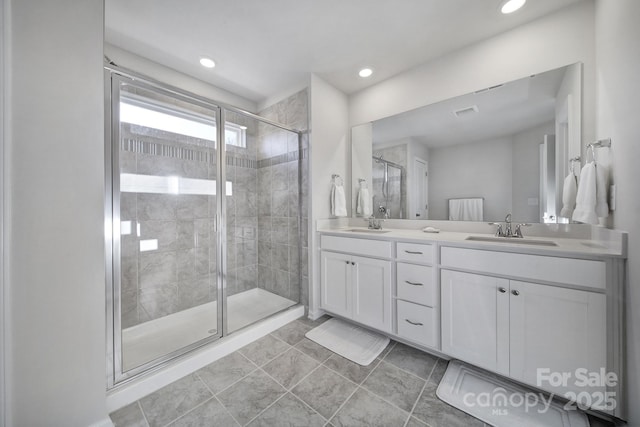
<point>518,232</point>
<point>507,228</point>
<point>508,231</point>
<point>375,223</point>
<point>499,232</point>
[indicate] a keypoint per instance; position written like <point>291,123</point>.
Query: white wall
<point>618,92</point>
<point>329,155</point>
<point>481,169</point>
<point>54,215</point>
<point>553,41</point>
<point>361,161</point>
<point>175,78</point>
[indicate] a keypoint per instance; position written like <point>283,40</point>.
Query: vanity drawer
<point>366,247</point>
<point>418,323</point>
<point>416,284</point>
<point>571,271</point>
<point>414,252</point>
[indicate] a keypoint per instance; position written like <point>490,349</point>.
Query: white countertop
<point>568,247</point>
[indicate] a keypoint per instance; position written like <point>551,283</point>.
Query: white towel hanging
<point>586,197</point>
<point>363,203</point>
<point>338,200</point>
<point>569,192</point>
<point>602,207</point>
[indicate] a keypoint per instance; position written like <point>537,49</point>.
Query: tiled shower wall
<point>278,194</point>
<point>181,272</point>
<point>262,216</point>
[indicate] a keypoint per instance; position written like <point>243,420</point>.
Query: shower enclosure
<point>203,237</point>
<point>388,185</point>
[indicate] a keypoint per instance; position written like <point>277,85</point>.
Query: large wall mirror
<point>476,157</point>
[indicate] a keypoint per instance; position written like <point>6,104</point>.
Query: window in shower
<point>153,115</point>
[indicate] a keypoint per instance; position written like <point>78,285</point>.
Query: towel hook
<point>591,150</point>
<point>572,163</point>
<point>606,142</point>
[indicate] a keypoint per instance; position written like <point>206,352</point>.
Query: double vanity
<point>533,309</point>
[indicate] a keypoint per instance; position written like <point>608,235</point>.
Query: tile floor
<point>284,379</point>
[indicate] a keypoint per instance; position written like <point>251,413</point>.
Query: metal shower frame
<point>114,73</point>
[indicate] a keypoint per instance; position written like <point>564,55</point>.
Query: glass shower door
<point>167,293</point>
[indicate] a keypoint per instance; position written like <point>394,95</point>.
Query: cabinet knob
<point>515,292</point>
<point>353,263</point>
<point>413,323</point>
<point>347,262</point>
<point>502,290</point>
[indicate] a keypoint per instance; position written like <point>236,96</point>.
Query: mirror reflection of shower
<point>388,187</point>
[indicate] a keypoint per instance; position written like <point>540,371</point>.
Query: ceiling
<point>502,111</point>
<point>266,47</point>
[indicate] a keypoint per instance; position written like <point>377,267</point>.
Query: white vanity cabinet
<point>516,328</point>
<point>528,314</point>
<point>475,324</point>
<point>356,287</point>
<point>417,296</point>
<point>556,328</point>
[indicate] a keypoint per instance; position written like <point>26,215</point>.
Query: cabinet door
<point>475,316</point>
<point>372,292</point>
<point>335,292</point>
<point>556,329</point>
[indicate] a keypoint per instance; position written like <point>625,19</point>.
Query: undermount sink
<point>367,230</point>
<point>515,240</point>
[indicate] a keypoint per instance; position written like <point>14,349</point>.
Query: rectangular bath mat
<point>350,341</point>
<point>499,402</point>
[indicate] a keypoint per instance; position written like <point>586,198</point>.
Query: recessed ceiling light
<point>207,62</point>
<point>510,6</point>
<point>365,72</point>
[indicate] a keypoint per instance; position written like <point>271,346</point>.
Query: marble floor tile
<point>355,372</point>
<point>288,412</point>
<point>209,414</point>
<point>366,409</point>
<point>292,333</point>
<point>250,396</point>
<point>174,400</point>
<point>264,349</point>
<point>290,367</point>
<point>411,360</point>
<point>324,391</point>
<point>129,416</point>
<point>224,372</point>
<point>394,385</point>
<point>436,413</point>
<point>314,350</point>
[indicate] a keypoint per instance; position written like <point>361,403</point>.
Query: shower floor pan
<point>150,340</point>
